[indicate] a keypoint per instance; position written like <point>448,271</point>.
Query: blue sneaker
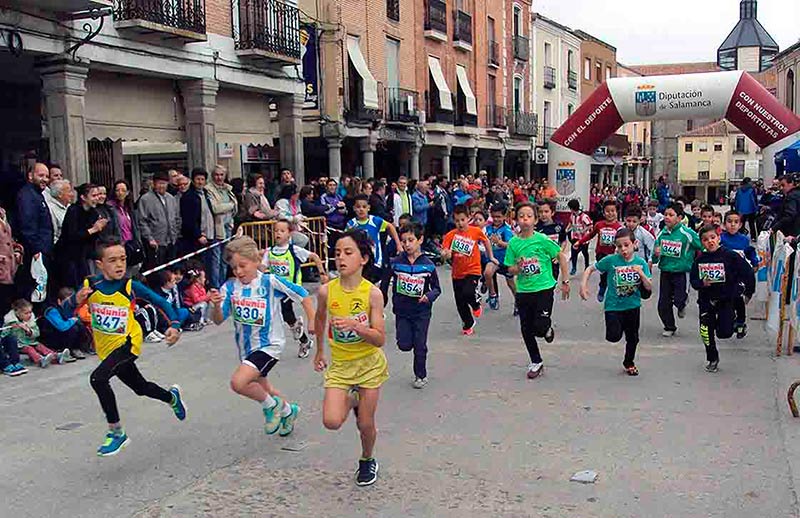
<point>573,271</point>
<point>21,368</point>
<point>114,442</point>
<point>601,297</point>
<point>494,303</point>
<point>272,417</point>
<point>287,423</point>
<point>178,405</point>
<point>11,370</point>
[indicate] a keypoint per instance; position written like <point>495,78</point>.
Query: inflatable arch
<point>735,95</point>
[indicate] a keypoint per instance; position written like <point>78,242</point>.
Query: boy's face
<point>710,241</point>
<point>461,221</point>
<point>498,218</point>
<point>696,212</point>
<point>545,213</point>
<point>361,208</point>
<point>732,224</point>
<point>404,221</point>
<point>631,222</point>
<point>478,220</point>
<point>624,246</point>
<point>411,243</point>
<point>282,233</point>
<point>610,213</point>
<point>24,314</point>
<point>331,187</point>
<point>707,217</point>
<point>652,210</point>
<point>244,268</point>
<point>113,263</point>
<point>526,219</point>
<point>671,218</point>
<point>717,219</point>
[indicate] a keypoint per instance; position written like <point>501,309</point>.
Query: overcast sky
<point>674,31</point>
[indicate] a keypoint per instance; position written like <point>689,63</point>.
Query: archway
<point>735,95</point>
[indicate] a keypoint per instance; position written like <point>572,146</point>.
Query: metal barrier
<point>315,228</point>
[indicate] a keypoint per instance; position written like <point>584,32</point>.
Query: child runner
<point>461,244</point>
<point>718,276</point>
<point>529,255</point>
<point>675,248</point>
<point>551,229</point>
<point>373,226</point>
<point>706,215</point>
<point>580,225</point>
<point>358,365</point>
<point>478,220</point>
<point>286,260</point>
<point>253,299</point>
<point>606,231</point>
<point>111,296</point>
<point>499,233</point>
<point>654,218</point>
<point>629,276</point>
<point>643,240</point>
<point>416,287</point>
<point>733,239</point>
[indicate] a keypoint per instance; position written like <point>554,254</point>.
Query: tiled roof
<point>721,128</point>
<point>675,68</point>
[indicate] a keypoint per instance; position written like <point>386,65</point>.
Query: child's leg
<point>585,251</point>
<point>100,378</point>
<point>665,302</point>
<point>631,320</point>
<point>10,351</point>
<point>511,285</point>
<point>527,316</point>
<point>420,340</point>
<point>603,278</point>
<point>680,295</point>
<point>129,374</point>
<point>613,326</point>
<point>287,311</point>
<point>335,407</point>
<point>740,310</point>
<point>43,349</point>
<point>367,406</point>
<point>31,353</point>
<point>472,300</point>
<point>573,258</point>
<point>463,291</point>
<point>725,320</point>
<point>403,326</point>
<point>708,323</point>
<point>488,278</point>
<point>246,382</point>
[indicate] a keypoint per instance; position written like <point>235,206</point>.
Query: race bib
<point>553,238</point>
<point>607,236</point>
<point>349,337</point>
<point>626,276</point>
<point>249,311</point>
<point>410,285</point>
<point>530,266</point>
<point>671,248</point>
<point>462,245</point>
<point>712,272</point>
<point>279,267</point>
<point>111,320</point>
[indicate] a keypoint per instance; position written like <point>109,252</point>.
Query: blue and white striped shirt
<point>256,312</point>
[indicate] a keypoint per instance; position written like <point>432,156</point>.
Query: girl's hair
<point>193,270</point>
<point>165,276</point>
<point>84,189</point>
<point>305,191</point>
<point>243,246</point>
<point>363,242</point>
<point>20,304</point>
<point>253,178</point>
<point>128,202</point>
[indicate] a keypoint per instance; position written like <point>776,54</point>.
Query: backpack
<point>10,251</point>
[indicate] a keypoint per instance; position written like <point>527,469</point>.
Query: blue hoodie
<point>746,202</point>
<point>411,281</point>
<point>740,243</point>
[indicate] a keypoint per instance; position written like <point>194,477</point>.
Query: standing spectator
<point>547,191</point>
<point>336,209</point>
<point>197,220</point>
<point>182,185</point>
<point>111,232</point>
<point>34,226</point>
<point>58,197</point>
<point>662,194</point>
<point>287,177</point>
<point>401,201</point>
<point>420,203</point>
<point>122,208</point>
<point>82,226</point>
<point>256,203</point>
<point>787,218</point>
<point>746,204</point>
<point>224,208</point>
<point>56,173</point>
<point>159,222</point>
<point>377,201</point>
<point>174,175</point>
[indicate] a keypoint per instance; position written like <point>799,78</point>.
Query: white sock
<point>287,410</point>
<point>269,402</point>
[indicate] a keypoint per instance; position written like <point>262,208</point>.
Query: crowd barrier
<point>314,228</point>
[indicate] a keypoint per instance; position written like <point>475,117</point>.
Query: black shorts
<point>260,361</point>
<point>502,269</point>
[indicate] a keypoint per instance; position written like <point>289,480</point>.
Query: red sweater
<point>605,241</point>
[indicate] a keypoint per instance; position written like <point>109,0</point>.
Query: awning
<point>370,85</point>
<point>789,158</point>
<point>463,82</point>
<point>445,96</point>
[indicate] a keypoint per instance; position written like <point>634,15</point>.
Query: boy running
<point>499,233</point>
<point>654,218</point>
<point>733,239</point>
<point>551,229</point>
<point>580,225</point>
<point>606,231</point>
<point>643,241</point>
<point>373,226</point>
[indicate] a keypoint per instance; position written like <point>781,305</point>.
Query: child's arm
<point>57,321</point>
<point>393,232</point>
<point>386,282</point>
<point>317,260</point>
<point>563,262</point>
<point>152,297</point>
<point>308,307</point>
<point>694,277</point>
<point>588,237</point>
<point>647,282</point>
<point>585,281</point>
<point>435,288</point>
<point>218,302</point>
<point>488,245</point>
<point>320,323</point>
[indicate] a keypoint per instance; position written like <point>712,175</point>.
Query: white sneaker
<point>419,383</point>
<point>159,335</point>
<point>153,338</point>
<point>65,357</point>
<point>668,334</point>
<point>535,370</point>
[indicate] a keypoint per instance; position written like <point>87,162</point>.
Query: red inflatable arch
<point>732,95</point>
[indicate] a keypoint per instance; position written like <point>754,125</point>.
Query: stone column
<point>446,162</point>
<point>526,157</point>
<point>501,163</point>
<point>64,88</point>
<point>416,148</point>
<point>200,99</point>
<point>472,154</point>
<point>290,129</point>
<point>334,158</point>
<point>368,147</point>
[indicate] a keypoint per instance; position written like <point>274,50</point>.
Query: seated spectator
<point>26,331</point>
<point>289,208</point>
<point>60,328</point>
<point>9,357</point>
<point>169,290</point>
<point>195,296</point>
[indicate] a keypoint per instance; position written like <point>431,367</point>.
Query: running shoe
<point>470,330</point>
<point>419,383</point>
<point>297,329</point>
<point>494,303</point>
<point>667,333</point>
<point>12,370</point>
<point>47,360</point>
<point>741,331</point>
<point>177,404</point>
<point>305,346</point>
<point>550,335</point>
<point>367,472</point>
<point>77,354</point>
<point>22,368</point>
<point>682,312</point>
<point>477,313</point>
<point>712,366</point>
<point>535,370</point>
<point>113,442</point>
<point>573,271</point>
<point>272,417</point>
<point>516,310</point>
<point>287,423</point>
<point>152,338</point>
<point>65,357</point>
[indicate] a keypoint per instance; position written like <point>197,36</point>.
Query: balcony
<point>184,20</point>
<point>66,6</point>
<point>462,30</point>
<point>436,20</point>
<point>572,79</point>
<point>402,105</point>
<point>524,124</point>
<point>703,175</point>
<point>522,48</point>
<point>494,54</point>
<point>434,113</point>
<point>549,77</point>
<point>356,112</point>
<point>266,31</point>
<point>393,10</point>
<point>496,116</point>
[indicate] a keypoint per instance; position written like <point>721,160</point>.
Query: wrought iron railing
<point>494,53</point>
<point>269,25</point>
<point>462,27</point>
<point>572,79</point>
<point>188,15</point>
<point>524,123</point>
<point>434,112</point>
<point>496,116</point>
<point>436,16</point>
<point>402,105</point>
<point>393,10</point>
<point>521,48</point>
<point>356,111</point>
<point>549,77</point>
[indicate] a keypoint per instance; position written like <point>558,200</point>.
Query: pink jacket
<point>194,294</point>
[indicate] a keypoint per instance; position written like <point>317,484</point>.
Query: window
<point>598,72</point>
<point>392,63</point>
<point>518,94</point>
<point>570,60</point>
<point>790,90</point>
<point>393,10</point>
<point>738,173</point>
<point>587,69</point>
<point>688,147</point>
<point>741,146</point>
<point>570,109</point>
<point>702,146</point>
<point>548,54</point>
<point>608,73</point>
<point>548,110</point>
<point>689,125</point>
<point>717,146</point>
<point>703,170</point>
<point>517,21</point>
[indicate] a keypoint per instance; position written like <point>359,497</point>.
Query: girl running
<point>356,333</point>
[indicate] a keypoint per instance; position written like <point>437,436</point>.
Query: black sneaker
<point>741,331</point>
<point>712,366</point>
<point>550,336</point>
<point>367,472</point>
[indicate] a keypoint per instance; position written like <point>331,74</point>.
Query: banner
<point>308,53</point>
<point>764,262</point>
<point>779,257</point>
<point>794,316</point>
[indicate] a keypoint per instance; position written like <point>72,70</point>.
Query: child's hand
<point>423,299</point>
<point>564,291</point>
<point>82,295</point>
<point>324,279</point>
<point>319,361</point>
<point>171,336</point>
<point>27,329</point>
<point>215,297</point>
<point>584,293</point>
<point>344,324</point>
<point>638,269</point>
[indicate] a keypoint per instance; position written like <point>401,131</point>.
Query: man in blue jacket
<point>197,220</point>
<point>34,227</point>
<point>746,204</point>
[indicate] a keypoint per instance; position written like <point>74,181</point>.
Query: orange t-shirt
<point>466,255</point>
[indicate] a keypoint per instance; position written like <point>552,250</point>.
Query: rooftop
<point>588,37</point>
<point>748,31</point>
<point>721,128</point>
<point>665,69</point>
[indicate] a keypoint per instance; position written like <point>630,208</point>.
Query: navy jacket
<point>190,214</point>
<point>34,226</point>
<point>734,275</point>
<point>740,243</point>
<point>403,277</point>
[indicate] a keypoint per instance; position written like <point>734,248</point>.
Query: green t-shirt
<point>537,253</point>
<point>623,283</point>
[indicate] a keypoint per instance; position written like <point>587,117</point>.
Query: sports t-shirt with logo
<point>678,249</point>
<point>286,263</point>
<point>555,231</point>
<point>623,281</point>
<point>505,234</point>
<point>373,226</point>
<point>605,232</point>
<point>466,254</point>
<point>534,255</point>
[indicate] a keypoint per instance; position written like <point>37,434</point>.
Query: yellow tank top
<point>113,321</point>
<point>347,345</point>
